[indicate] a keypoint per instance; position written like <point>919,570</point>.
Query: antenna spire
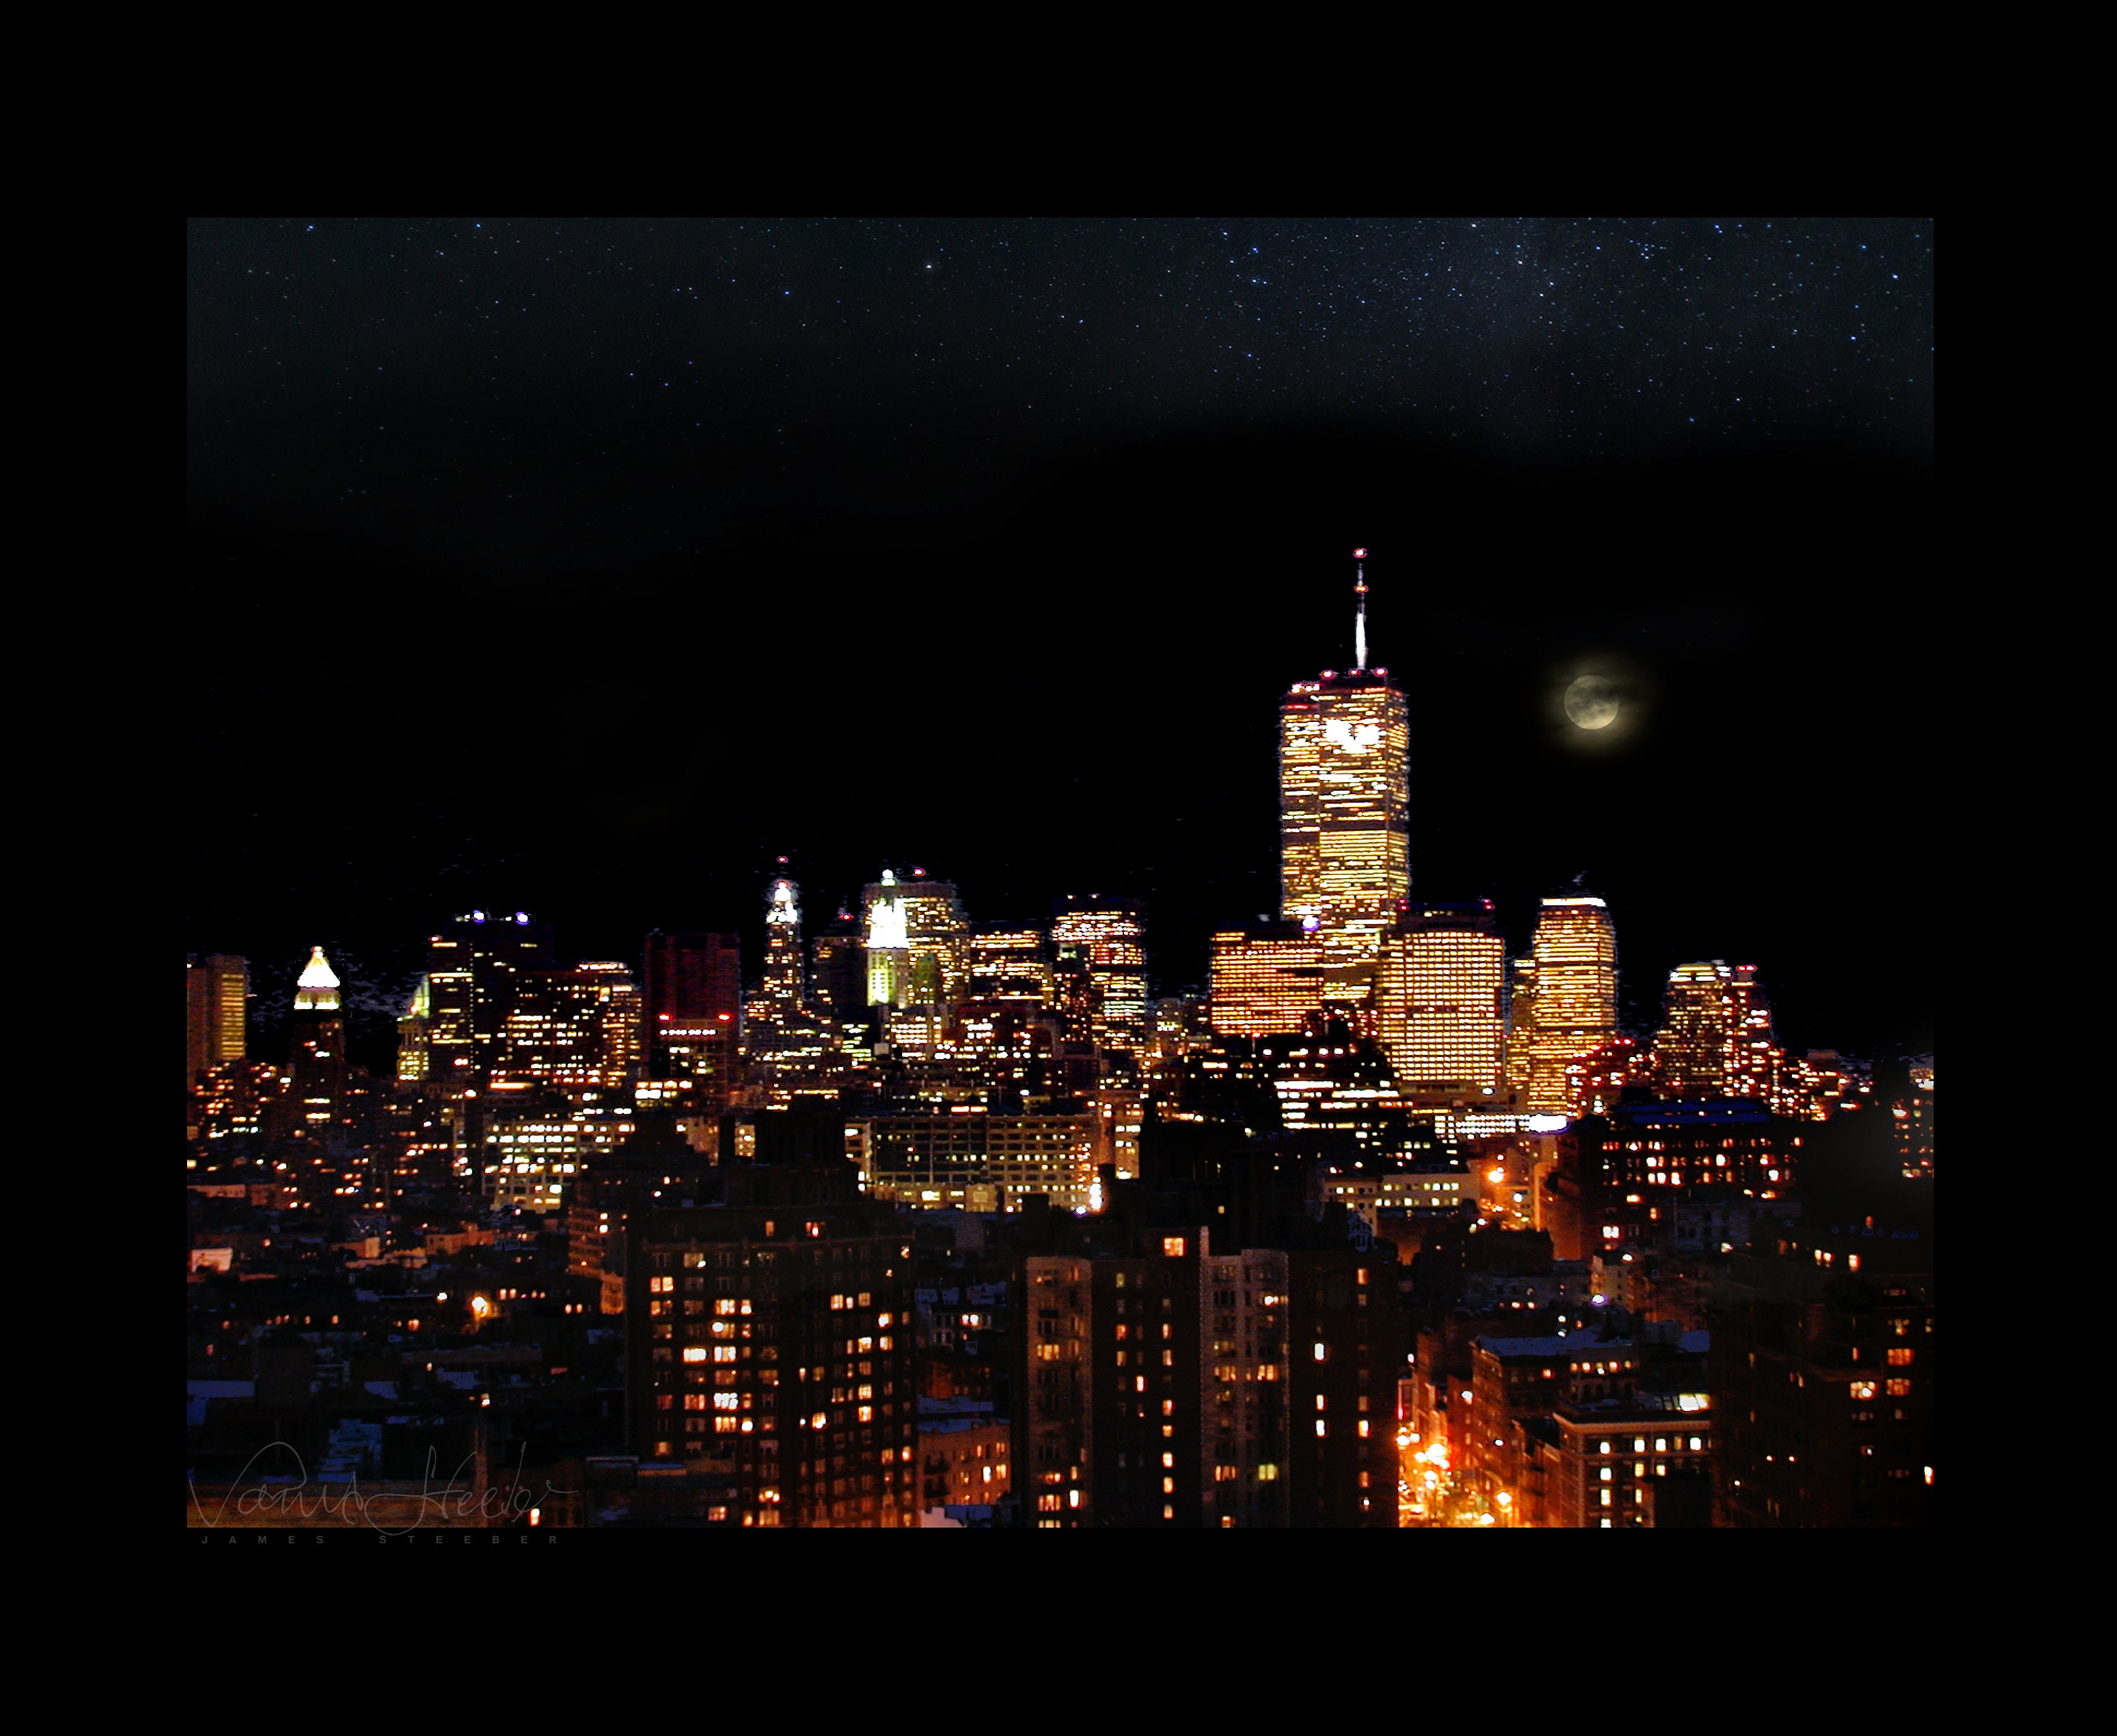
<point>1360,608</point>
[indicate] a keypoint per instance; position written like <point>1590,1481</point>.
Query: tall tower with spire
<point>1344,743</point>
<point>791,1051</point>
<point>317,1060</point>
<point>784,993</point>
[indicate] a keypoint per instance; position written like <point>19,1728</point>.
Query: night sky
<point>590,567</point>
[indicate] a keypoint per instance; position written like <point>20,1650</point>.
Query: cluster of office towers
<point>1430,983</point>
<point>901,1004</point>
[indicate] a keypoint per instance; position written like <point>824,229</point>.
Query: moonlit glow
<point>1591,702</point>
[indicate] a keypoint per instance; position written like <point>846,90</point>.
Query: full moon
<point>1592,702</point>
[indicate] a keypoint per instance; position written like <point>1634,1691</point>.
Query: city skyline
<point>377,997</point>
<point>1059,874</point>
<point>1043,665</point>
<point>380,994</point>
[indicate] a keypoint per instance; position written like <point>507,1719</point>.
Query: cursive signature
<point>293,1501</point>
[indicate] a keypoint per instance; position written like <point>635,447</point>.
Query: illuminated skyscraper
<point>918,943</point>
<point>1440,1003</point>
<point>1011,964</point>
<point>619,1039</point>
<point>791,1049</point>
<point>1108,934</point>
<point>1267,979</point>
<point>1521,1025</point>
<point>690,1016</point>
<point>1821,1084</point>
<point>1574,1004</point>
<point>217,988</point>
<point>1177,1026</point>
<point>576,1031</point>
<point>1344,743</point>
<point>414,1029</point>
<point>1754,1069</point>
<point>1716,1035</point>
<point>691,977</point>
<point>785,993</point>
<point>318,1057</point>
<point>888,947</point>
<point>473,972</point>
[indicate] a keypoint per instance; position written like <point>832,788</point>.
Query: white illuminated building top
<point>317,988</point>
<point>886,927</point>
<point>783,911</point>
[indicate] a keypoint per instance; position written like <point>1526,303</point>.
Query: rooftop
<point>1575,1344</point>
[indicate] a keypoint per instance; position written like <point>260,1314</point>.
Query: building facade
<point>1573,1003</point>
<point>1268,979</point>
<point>1173,1388</point>
<point>474,970</point>
<point>1344,842</point>
<point>1109,936</point>
<point>918,942</point>
<point>977,1161</point>
<point>772,1359</point>
<point>1440,1003</point>
<point>575,1031</point>
<point>691,982</point>
<point>317,1058</point>
<point>217,991</point>
<point>1715,1039</point>
<point>1824,1375</point>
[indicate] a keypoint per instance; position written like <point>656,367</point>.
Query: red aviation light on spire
<point>1359,554</point>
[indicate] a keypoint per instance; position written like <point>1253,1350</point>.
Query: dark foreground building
<point>1171,1387</point>
<point>771,1354</point>
<point>1824,1358</point>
